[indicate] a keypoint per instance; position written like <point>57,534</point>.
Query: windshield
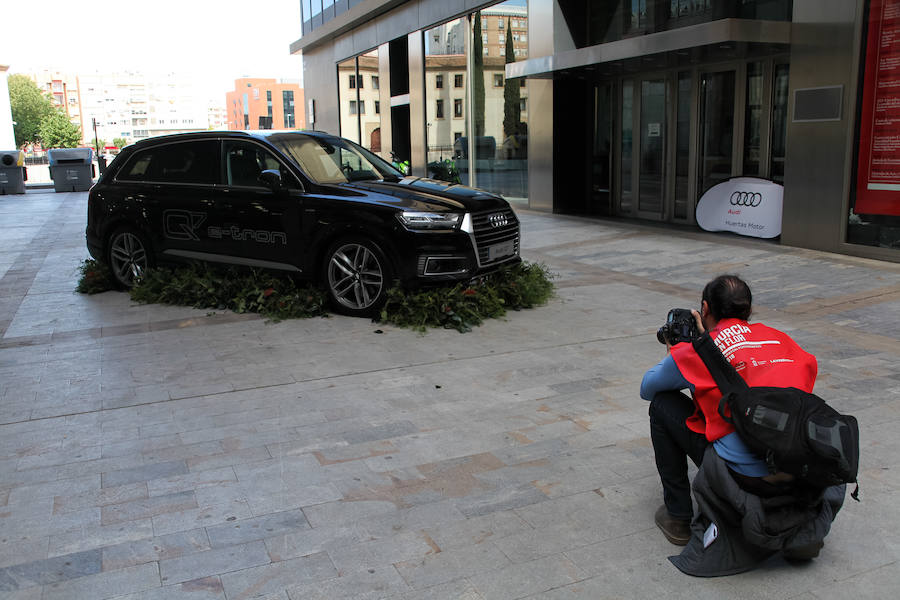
<point>335,160</point>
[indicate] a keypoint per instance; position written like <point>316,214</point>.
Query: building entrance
<point>677,133</point>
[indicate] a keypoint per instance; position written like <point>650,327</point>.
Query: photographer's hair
<point>728,297</point>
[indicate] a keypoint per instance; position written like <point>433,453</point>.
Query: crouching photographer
<point>683,426</point>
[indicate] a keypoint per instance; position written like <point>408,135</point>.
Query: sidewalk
<point>151,452</point>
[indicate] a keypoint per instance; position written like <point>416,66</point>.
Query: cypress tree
<point>512,109</point>
<point>478,78</point>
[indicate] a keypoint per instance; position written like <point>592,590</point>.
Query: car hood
<point>413,192</point>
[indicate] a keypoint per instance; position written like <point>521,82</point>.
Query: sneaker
<point>677,531</point>
<point>802,553</point>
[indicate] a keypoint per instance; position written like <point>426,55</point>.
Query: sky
<point>214,41</point>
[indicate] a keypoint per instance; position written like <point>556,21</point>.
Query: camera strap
<point>727,379</point>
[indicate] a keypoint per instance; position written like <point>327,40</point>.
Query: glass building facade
<point>625,108</point>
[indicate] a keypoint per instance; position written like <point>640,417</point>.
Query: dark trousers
<point>673,443</point>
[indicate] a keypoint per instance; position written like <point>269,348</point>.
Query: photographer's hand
<point>700,329</point>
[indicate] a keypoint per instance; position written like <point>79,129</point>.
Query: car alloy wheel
<point>128,257</point>
<point>357,274</point>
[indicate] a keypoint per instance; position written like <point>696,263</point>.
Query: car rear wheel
<point>129,256</point>
<point>358,276</point>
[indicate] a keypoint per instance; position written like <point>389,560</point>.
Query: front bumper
<point>486,242</point>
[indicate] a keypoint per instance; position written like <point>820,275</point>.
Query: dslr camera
<point>680,327</point>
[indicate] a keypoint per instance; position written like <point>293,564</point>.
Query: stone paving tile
<point>257,528</point>
<point>525,579</point>
<point>144,473</point>
<point>313,541</point>
<point>205,516</point>
<point>89,537</point>
<point>212,562</point>
<point>105,585</point>
<point>49,570</point>
<point>23,549</point>
<point>206,588</point>
<point>192,481</point>
<point>236,457</point>
<point>275,577</point>
<point>403,547</point>
<point>164,547</point>
<point>99,497</point>
<point>448,565</point>
<point>148,507</point>
<point>502,499</point>
<point>460,589</point>
<point>21,494</point>
<point>372,583</point>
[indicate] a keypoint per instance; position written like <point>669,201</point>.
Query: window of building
<point>439,109</point>
<point>500,23</point>
<point>353,109</point>
<point>375,82</point>
<point>498,80</point>
<point>457,81</point>
<point>439,81</point>
<point>287,104</point>
<point>458,108</point>
<point>377,107</point>
<point>522,104</point>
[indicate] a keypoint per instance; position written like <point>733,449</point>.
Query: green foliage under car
<point>278,297</point>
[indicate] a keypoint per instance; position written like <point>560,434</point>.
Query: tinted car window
<point>245,161</point>
<point>187,162</point>
<point>335,160</point>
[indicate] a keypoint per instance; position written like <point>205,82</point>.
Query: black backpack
<point>794,431</point>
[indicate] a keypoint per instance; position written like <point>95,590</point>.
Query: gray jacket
<point>736,530</point>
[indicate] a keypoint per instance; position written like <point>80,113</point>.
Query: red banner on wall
<point>878,174</point>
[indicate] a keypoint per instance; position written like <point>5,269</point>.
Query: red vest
<point>762,355</point>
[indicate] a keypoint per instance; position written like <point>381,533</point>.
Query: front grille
<point>488,234</point>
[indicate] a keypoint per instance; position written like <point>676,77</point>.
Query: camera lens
<point>661,335</point>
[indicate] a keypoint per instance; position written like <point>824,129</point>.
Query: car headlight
<point>429,220</point>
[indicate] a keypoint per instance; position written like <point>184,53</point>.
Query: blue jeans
<point>673,443</point>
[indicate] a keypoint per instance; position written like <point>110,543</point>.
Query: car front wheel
<point>129,256</point>
<point>358,276</point>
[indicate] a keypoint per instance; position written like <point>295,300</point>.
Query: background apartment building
<point>264,104</point>
<point>136,105</point>
<point>62,89</point>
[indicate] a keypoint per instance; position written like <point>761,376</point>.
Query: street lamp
<point>101,162</point>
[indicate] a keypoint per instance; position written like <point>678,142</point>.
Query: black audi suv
<point>315,205</point>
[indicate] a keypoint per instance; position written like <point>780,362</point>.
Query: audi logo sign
<point>746,199</point>
<point>744,205</point>
<point>498,220</point>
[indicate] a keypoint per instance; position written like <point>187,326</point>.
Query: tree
<point>478,78</point>
<point>57,131</point>
<point>120,142</point>
<point>512,108</point>
<point>29,106</point>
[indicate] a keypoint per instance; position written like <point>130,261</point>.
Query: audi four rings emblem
<point>746,199</point>
<point>498,220</point>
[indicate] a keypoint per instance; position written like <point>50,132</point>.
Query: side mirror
<point>272,179</point>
